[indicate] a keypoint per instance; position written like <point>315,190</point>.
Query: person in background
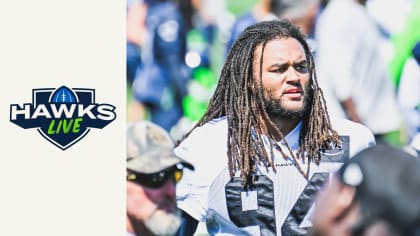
<point>136,15</point>
<point>152,172</point>
<point>266,143</point>
<point>160,82</point>
<point>375,193</point>
<point>409,99</point>
<point>352,73</point>
<point>201,37</point>
<point>263,10</point>
<point>302,13</point>
<point>136,32</point>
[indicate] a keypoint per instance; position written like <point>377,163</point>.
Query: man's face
<point>163,197</point>
<point>165,220</point>
<point>156,207</point>
<point>285,77</point>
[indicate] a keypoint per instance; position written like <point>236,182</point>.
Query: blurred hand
<point>335,212</point>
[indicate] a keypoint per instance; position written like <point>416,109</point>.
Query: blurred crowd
<point>367,57</point>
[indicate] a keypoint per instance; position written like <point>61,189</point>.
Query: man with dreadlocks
<point>266,143</point>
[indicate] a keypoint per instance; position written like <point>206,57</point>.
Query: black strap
<point>188,225</point>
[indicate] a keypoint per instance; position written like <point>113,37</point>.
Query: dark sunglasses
<point>155,180</point>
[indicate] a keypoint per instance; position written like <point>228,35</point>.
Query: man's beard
<point>164,223</point>
<point>275,107</point>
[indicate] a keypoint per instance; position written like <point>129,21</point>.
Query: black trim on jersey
<point>264,216</point>
<point>291,225</point>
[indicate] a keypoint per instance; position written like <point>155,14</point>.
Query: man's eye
<point>282,69</point>
<point>301,68</point>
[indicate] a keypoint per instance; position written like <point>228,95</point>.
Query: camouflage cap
<point>150,148</point>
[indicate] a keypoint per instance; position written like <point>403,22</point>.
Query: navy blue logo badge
<point>63,116</point>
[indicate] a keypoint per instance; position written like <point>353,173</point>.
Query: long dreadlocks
<point>240,98</point>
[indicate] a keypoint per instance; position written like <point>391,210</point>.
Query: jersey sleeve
<point>360,137</point>
<point>205,148</point>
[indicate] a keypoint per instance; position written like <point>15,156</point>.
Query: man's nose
<point>169,188</point>
<point>292,74</point>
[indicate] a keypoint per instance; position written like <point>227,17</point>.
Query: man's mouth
<point>167,205</point>
<point>293,91</point>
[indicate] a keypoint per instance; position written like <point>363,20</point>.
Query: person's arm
<point>169,50</point>
<point>350,108</point>
<point>335,55</point>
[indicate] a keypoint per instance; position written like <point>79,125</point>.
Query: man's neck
<point>285,125</point>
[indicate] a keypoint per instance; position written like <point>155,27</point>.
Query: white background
<point>44,190</point>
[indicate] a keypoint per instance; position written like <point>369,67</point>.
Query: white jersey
<point>280,202</point>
